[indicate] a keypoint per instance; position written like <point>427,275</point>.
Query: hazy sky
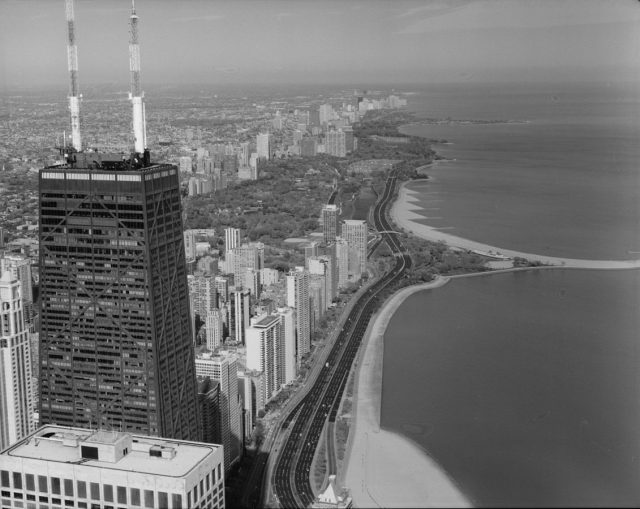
<point>340,41</point>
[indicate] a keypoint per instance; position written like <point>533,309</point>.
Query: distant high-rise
<point>242,313</point>
<point>222,288</point>
<point>243,154</point>
<point>342,261</point>
<point>231,238</point>
<point>308,146</point>
<point>186,164</point>
<point>325,113</point>
<point>203,289</point>
<point>314,117</point>
<point>329,223</point>
<point>190,244</point>
<point>322,265</point>
<point>310,250</point>
<point>263,145</point>
<point>287,355</point>
<point>17,404</point>
<point>246,256</point>
<point>354,231</point>
<point>252,282</point>
<point>116,348</point>
<point>335,143</point>
<point>298,298</point>
<point>215,327</point>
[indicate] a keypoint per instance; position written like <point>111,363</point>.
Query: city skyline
<point>295,42</point>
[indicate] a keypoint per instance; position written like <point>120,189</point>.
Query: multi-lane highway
<point>304,423</point>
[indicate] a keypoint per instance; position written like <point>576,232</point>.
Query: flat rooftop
<point>266,321</point>
<point>61,444</point>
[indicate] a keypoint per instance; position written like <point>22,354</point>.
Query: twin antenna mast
<point>135,96</point>
<point>74,96</point>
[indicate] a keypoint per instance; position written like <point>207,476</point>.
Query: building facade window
<point>148,499</point>
<point>135,496</point>
<point>95,491</point>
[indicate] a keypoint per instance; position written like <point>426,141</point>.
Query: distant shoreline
<point>404,213</point>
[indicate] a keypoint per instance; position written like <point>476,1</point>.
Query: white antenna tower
<point>136,95</point>
<point>74,97</point>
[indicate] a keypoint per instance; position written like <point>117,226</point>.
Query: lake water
<point>565,182</point>
<point>525,387</point>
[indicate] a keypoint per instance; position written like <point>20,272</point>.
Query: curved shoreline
<point>404,214</point>
<point>384,468</point>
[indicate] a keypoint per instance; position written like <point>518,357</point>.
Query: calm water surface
<point>564,182</point>
<point>524,387</point>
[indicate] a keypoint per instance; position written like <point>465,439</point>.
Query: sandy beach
<point>384,469</point>
<point>404,213</point>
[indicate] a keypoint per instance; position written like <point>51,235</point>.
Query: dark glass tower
<point>116,349</point>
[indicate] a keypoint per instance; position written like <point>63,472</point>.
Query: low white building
<point>58,466</point>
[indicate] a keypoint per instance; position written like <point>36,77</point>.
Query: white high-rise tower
<point>17,404</point>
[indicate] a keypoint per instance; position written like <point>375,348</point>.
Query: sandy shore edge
<point>404,214</point>
<point>385,469</point>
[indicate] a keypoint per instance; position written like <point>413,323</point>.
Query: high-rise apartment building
<point>317,298</point>
<point>287,354</point>
<point>209,398</point>
<point>329,223</point>
<point>231,238</point>
<point>215,329</point>
<point>342,261</point>
<point>20,268</point>
<point>325,113</point>
<point>190,245</point>
<point>17,404</point>
<point>250,385</point>
<point>242,314</point>
<point>263,145</point>
<point>186,164</point>
<point>308,146</point>
<point>61,466</point>
<point>310,250</point>
<point>264,344</point>
<point>355,232</point>
<point>116,339</point>
<point>205,296</point>
<point>222,288</point>
<point>252,282</point>
<point>335,143</point>
<point>243,154</point>
<point>298,299</point>
<point>246,256</point>
<point>323,265</point>
<point>224,368</point>
<point>269,277</point>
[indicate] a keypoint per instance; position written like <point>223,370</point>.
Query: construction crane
<point>136,95</point>
<point>74,96</point>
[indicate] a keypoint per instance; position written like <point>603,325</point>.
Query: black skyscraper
<point>116,349</point>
